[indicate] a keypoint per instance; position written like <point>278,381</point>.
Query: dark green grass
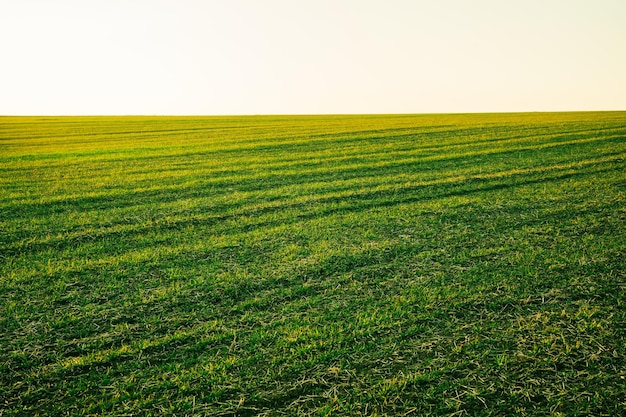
<point>327,265</point>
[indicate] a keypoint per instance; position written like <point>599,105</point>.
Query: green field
<point>409,265</point>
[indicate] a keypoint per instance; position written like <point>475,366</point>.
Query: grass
<point>405,265</point>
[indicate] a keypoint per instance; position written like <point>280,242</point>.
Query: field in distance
<point>313,265</point>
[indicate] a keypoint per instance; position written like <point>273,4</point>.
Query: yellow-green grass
<point>313,265</point>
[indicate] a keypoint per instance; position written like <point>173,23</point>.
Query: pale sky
<point>216,57</point>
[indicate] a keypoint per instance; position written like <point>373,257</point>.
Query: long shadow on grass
<point>317,206</point>
<point>225,255</point>
<point>221,182</point>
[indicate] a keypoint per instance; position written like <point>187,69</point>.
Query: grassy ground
<point>327,265</point>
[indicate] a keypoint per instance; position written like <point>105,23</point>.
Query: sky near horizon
<point>219,57</point>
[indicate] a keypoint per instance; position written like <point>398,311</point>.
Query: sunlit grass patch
<point>313,265</point>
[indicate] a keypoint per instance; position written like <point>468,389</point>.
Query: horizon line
<point>315,114</point>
